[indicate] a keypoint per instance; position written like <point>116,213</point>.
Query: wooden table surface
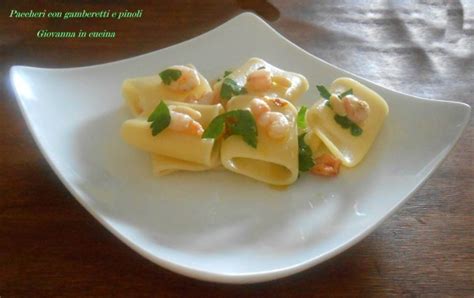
<point>49,244</point>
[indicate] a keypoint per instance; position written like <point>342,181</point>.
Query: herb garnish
<point>226,73</point>
<point>343,94</point>
<point>323,92</point>
<point>235,122</point>
<point>305,155</point>
<point>169,75</point>
<point>160,118</point>
<point>301,118</point>
<point>356,130</point>
<point>230,88</point>
<point>326,94</point>
<point>345,123</point>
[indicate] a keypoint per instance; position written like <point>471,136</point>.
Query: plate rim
<point>193,272</point>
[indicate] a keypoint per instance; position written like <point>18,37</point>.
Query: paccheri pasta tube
<point>144,93</point>
<point>174,150</point>
<point>274,161</point>
<point>346,140</point>
<point>262,79</point>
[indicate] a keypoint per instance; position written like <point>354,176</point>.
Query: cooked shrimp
<point>195,128</point>
<point>184,123</point>
<point>277,102</point>
<point>326,165</point>
<point>275,124</point>
<point>264,119</point>
<point>188,80</point>
<point>357,110</point>
<point>259,80</point>
<point>191,98</point>
<point>259,106</point>
<point>279,128</point>
<point>337,105</point>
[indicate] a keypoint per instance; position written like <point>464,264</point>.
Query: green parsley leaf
<point>323,91</point>
<point>160,118</point>
<point>230,88</point>
<point>343,121</point>
<point>236,122</point>
<point>305,155</point>
<point>242,122</point>
<point>341,96</point>
<point>215,128</point>
<point>227,72</point>
<point>301,118</point>
<point>356,130</point>
<point>169,75</point>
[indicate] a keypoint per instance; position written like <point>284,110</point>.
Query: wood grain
<point>50,246</point>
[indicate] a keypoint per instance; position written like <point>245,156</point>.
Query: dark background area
<point>50,246</point>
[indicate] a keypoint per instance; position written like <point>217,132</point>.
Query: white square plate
<point>220,226</point>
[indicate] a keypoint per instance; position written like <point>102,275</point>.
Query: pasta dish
<point>248,122</point>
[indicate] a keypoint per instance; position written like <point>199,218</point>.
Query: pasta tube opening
<point>266,171</point>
